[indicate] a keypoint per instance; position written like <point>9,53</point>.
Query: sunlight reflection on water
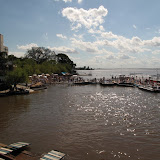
<point>85,122</point>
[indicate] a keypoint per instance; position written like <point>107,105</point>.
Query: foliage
<point>84,68</point>
<point>63,58</point>
<point>40,54</point>
<point>37,61</point>
<point>11,58</point>
<point>16,76</point>
<point>3,61</point>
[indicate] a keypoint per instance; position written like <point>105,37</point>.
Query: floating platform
<point>10,152</point>
<point>15,151</point>
<point>53,155</point>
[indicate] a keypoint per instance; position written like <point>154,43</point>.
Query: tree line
<point>37,60</point>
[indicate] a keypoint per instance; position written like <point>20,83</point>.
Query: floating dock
<point>15,151</point>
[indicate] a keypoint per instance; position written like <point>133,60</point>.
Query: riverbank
<point>41,82</point>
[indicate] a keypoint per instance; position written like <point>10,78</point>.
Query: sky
<point>95,33</point>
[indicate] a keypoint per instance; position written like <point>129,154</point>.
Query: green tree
<point>12,58</point>
<point>40,54</point>
<point>3,67</point>
<point>63,58</point>
<point>16,76</point>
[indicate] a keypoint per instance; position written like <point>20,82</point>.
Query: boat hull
<point>107,84</point>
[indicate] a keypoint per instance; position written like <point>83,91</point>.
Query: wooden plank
<point>24,143</point>
<point>53,156</point>
<point>50,158</point>
<point>44,158</point>
<point>17,145</point>
<point>6,149</point>
<point>2,152</point>
<point>57,153</point>
<point>20,143</point>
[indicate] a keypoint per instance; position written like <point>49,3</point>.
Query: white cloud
<point>124,56</point>
<point>76,27</point>
<point>109,35</point>
<point>63,49</point>
<point>117,43</point>
<point>110,57</point>
<point>101,28</point>
<point>67,1</point>
<point>156,52</point>
<point>136,41</point>
<point>17,54</point>
<point>85,46</point>
<point>80,36</point>
<point>103,61</point>
<point>64,1</point>
<point>97,47</point>
<point>134,26</point>
<point>75,58</point>
<point>123,44</point>
<point>91,18</point>
<point>80,1</point>
<point>153,42</point>
<point>154,61</point>
<point>27,46</point>
<point>61,36</point>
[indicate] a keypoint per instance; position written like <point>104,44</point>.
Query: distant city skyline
<point>95,33</point>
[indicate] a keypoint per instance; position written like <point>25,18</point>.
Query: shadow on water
<point>12,109</point>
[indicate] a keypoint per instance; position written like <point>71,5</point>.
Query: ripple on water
<point>88,122</point>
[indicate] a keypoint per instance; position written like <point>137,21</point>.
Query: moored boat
<point>38,86</point>
<point>107,84</point>
<point>149,88</point>
<point>125,84</point>
<point>80,83</point>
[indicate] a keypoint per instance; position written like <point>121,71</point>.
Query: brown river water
<point>85,122</point>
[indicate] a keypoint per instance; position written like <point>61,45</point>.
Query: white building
<point>3,49</point>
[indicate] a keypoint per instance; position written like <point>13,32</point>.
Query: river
<point>88,122</point>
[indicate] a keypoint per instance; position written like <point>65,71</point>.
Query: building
<point>3,58</point>
<point>3,49</point>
